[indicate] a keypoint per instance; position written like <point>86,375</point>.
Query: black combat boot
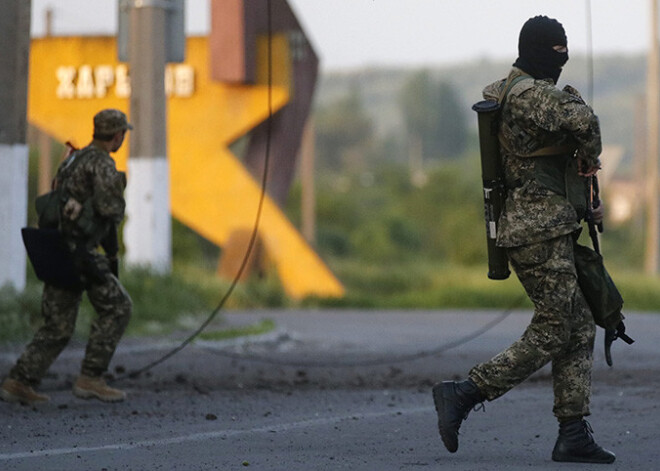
<point>453,402</point>
<point>576,444</point>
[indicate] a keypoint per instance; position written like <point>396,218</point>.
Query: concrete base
<point>148,229</point>
<point>13,213</point>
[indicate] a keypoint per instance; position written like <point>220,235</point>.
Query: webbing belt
<point>551,150</point>
<point>543,151</point>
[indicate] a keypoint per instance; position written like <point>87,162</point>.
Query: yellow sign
<point>88,81</point>
<point>71,78</point>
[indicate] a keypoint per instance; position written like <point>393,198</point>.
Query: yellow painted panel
<point>211,191</point>
<point>300,269</point>
<point>69,119</point>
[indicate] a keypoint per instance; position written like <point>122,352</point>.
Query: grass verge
<point>264,326</point>
<point>161,303</point>
<point>185,298</point>
<point>423,284</point>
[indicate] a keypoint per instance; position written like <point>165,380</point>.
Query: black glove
<point>611,335</point>
<point>110,241</point>
<point>114,265</point>
<point>110,244</point>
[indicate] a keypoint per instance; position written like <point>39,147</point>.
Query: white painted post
<point>13,213</point>
<point>14,61</point>
<point>147,233</point>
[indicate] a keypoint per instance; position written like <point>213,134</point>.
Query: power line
<point>382,360</point>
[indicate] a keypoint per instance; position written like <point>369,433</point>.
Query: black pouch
<point>52,261</point>
<point>599,290</point>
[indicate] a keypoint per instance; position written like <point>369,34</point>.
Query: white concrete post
<point>148,232</point>
<point>14,61</point>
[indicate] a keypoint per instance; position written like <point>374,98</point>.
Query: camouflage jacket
<point>89,176</point>
<point>546,197</point>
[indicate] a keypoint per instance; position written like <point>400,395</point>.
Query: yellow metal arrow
<point>210,190</point>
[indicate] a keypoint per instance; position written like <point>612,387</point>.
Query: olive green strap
<point>543,151</point>
<point>508,85</point>
<point>551,150</point>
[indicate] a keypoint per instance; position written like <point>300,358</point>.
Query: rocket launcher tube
<point>493,185</point>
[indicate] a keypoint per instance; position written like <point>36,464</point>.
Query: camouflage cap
<point>110,121</point>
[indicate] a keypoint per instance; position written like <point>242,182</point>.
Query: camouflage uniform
<point>546,199</point>
<point>96,188</point>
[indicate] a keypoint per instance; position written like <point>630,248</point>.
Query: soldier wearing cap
<point>91,209</point>
<point>108,122</point>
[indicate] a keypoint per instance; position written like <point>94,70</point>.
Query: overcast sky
<point>357,33</point>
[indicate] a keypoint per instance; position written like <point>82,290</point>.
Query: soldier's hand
<point>588,170</point>
<point>72,209</point>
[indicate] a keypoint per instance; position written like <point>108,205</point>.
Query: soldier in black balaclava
<point>549,142</point>
<point>542,48</point>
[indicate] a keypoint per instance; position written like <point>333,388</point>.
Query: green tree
<point>343,133</point>
<point>451,133</point>
<point>434,117</point>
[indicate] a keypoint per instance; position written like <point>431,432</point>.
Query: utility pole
<point>14,62</point>
<point>45,147</point>
<point>653,147</point>
<point>148,229</point>
<point>308,196</point>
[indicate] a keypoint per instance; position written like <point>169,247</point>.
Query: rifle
<point>594,202</point>
<point>594,228</point>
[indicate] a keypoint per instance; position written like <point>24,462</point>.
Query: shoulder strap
<point>543,151</point>
<point>69,165</point>
<point>508,85</point>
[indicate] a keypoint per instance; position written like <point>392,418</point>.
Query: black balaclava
<point>536,55</point>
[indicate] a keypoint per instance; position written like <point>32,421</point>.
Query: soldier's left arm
<point>564,112</point>
<point>109,184</point>
<point>584,127</point>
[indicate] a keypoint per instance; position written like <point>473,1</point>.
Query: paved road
<point>328,390</point>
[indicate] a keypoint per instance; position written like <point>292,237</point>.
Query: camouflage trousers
<point>59,310</point>
<point>561,331</point>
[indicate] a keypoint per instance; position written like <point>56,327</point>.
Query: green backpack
<point>48,209</point>
<point>599,290</point>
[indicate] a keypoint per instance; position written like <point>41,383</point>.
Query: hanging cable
<point>255,229</point>
<point>449,345</point>
<point>252,241</point>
